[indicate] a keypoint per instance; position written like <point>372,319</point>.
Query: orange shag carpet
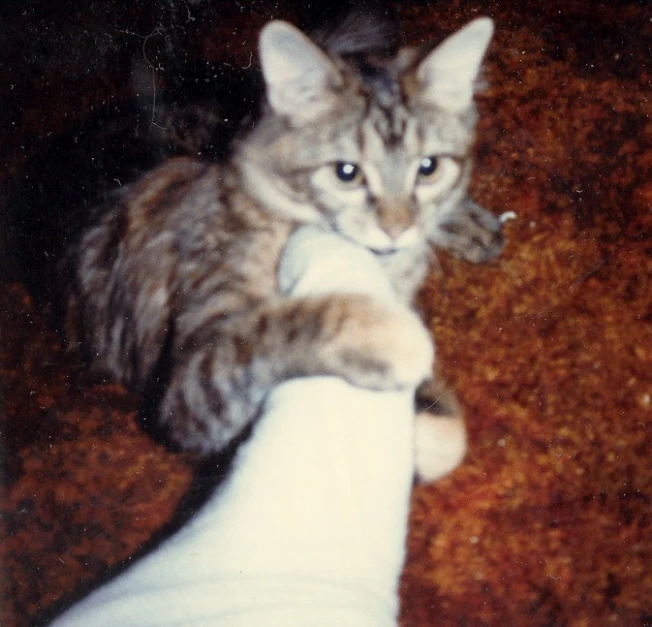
<point>549,519</point>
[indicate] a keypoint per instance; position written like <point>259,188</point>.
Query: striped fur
<point>180,267</point>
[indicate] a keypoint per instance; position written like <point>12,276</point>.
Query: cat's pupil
<point>428,166</point>
<point>346,172</point>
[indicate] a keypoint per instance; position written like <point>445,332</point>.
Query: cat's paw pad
<point>439,445</point>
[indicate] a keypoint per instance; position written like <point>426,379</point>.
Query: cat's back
<point>172,197</point>
<point>141,237</point>
<point>185,211</point>
<point>184,242</point>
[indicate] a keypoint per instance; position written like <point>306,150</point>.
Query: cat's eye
<point>428,167</point>
<point>436,174</point>
<point>348,173</point>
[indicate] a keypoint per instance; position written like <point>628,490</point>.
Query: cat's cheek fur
<point>439,445</point>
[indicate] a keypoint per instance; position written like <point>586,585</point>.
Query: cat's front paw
<point>471,233</point>
<point>384,346</point>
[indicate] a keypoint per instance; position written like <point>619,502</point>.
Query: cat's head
<point>378,149</point>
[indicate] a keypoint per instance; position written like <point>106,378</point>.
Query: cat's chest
<point>406,271</point>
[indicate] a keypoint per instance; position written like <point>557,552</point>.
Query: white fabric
<point>310,528</point>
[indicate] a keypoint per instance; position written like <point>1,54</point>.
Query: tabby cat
<point>175,278</point>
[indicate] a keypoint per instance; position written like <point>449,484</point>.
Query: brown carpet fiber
<point>549,520</point>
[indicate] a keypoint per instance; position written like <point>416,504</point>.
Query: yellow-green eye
<point>428,167</point>
<point>348,173</point>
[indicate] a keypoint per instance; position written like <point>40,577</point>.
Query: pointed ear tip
<point>484,25</point>
<point>275,29</point>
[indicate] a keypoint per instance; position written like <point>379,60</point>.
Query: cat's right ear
<point>300,77</point>
<point>449,72</point>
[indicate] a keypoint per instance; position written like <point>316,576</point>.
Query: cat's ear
<point>448,74</point>
<point>299,76</point>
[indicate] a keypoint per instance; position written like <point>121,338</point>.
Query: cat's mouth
<point>385,252</point>
<point>379,252</point>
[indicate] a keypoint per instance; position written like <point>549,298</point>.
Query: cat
<point>179,267</point>
<point>197,109</point>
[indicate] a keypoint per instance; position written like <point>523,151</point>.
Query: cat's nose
<point>395,230</point>
<point>402,236</point>
<point>395,219</point>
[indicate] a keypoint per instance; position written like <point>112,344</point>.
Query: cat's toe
<point>409,349</point>
<point>471,233</point>
<point>484,247</point>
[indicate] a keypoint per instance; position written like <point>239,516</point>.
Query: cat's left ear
<point>448,74</point>
<point>299,76</point>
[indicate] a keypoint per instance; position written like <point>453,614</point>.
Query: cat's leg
<point>470,232</point>
<point>439,432</point>
<point>221,375</point>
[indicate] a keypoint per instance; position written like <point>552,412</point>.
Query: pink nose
<point>395,218</point>
<point>395,230</point>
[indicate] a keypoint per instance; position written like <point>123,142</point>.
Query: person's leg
<point>310,528</point>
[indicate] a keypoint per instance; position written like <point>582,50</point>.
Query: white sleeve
<point>310,528</point>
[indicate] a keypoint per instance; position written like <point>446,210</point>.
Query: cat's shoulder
<point>182,191</point>
<point>176,173</point>
<point>176,186</point>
